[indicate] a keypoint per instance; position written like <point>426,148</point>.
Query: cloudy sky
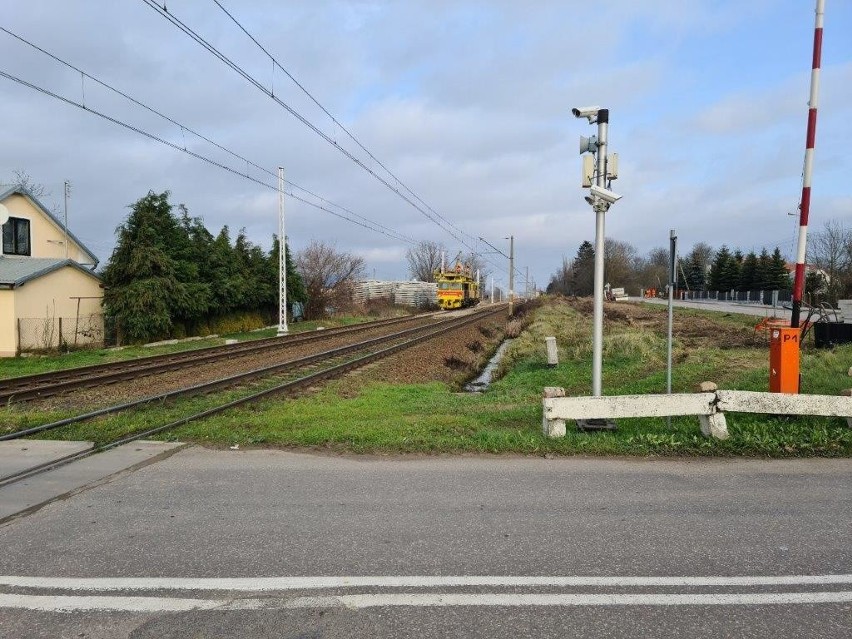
<point>468,103</point>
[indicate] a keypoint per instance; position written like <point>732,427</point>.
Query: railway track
<point>326,365</point>
<point>32,387</point>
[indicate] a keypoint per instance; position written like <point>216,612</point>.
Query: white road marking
<point>165,604</point>
<point>260,584</point>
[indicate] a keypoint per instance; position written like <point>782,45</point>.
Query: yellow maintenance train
<point>456,287</point>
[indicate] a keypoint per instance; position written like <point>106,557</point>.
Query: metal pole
<point>600,212</point>
<point>805,206</point>
<point>282,259</point>
<point>511,273</point>
<point>492,289</point>
<point>527,283</point>
<point>672,286</point>
<point>67,185</point>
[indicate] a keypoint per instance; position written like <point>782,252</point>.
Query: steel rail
<point>323,374</point>
<point>30,387</point>
<point>224,382</point>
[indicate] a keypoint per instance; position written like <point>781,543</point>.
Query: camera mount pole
<point>600,208</point>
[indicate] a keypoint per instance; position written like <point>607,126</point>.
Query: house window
<point>16,236</point>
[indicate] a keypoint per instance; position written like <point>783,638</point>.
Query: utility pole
<point>511,274</point>
<point>672,287</point>
<point>67,190</point>
<point>600,216</point>
<point>600,198</point>
<point>282,259</point>
<point>527,284</point>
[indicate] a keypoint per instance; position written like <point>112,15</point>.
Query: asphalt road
<point>274,544</point>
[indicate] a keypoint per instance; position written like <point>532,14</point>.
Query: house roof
<point>20,190</point>
<point>17,271</point>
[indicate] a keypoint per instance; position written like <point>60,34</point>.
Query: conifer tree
<point>763,279</point>
<point>720,270</point>
<point>147,285</point>
<point>748,273</point>
<point>778,274</point>
<point>584,269</point>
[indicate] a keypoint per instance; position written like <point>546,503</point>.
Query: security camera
<point>605,194</point>
<point>590,112</point>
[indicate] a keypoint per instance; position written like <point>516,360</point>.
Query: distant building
<point>49,292</point>
<point>809,268</point>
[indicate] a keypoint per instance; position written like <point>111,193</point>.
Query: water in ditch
<point>483,381</point>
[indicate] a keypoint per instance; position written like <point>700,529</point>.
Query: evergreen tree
<point>731,271</point>
<point>695,273</point>
<point>250,261</point>
<point>226,283</point>
<point>748,273</point>
<point>584,269</point>
<point>147,283</point>
<point>193,257</point>
<point>763,279</point>
<point>778,274</point>
<point>717,269</point>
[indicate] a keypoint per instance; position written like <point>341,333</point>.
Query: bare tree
<point>562,282</point>
<point>25,181</point>
<point>423,260</point>
<point>619,261</point>
<point>653,269</point>
<point>477,264</point>
<point>830,250</point>
<point>329,277</point>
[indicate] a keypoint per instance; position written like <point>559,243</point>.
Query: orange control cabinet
<point>784,360</point>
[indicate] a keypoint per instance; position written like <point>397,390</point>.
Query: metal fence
<point>60,333</point>
<point>765,297</point>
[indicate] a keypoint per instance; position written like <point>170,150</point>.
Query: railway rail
<point>332,363</point>
<point>32,387</point>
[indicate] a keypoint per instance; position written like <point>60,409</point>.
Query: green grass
<point>379,418</point>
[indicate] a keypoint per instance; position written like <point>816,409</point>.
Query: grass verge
<point>349,415</point>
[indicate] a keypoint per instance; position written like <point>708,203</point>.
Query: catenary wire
<point>163,11</point>
<point>275,63</point>
<point>194,154</point>
<point>197,134</point>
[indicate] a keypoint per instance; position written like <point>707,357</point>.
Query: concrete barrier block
<point>552,352</point>
<point>553,428</point>
<point>621,406</point>
<point>714,425</point>
<point>784,404</point>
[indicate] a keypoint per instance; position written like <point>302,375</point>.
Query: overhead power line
<point>367,223</point>
<point>351,135</point>
<point>194,154</point>
<point>163,11</point>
